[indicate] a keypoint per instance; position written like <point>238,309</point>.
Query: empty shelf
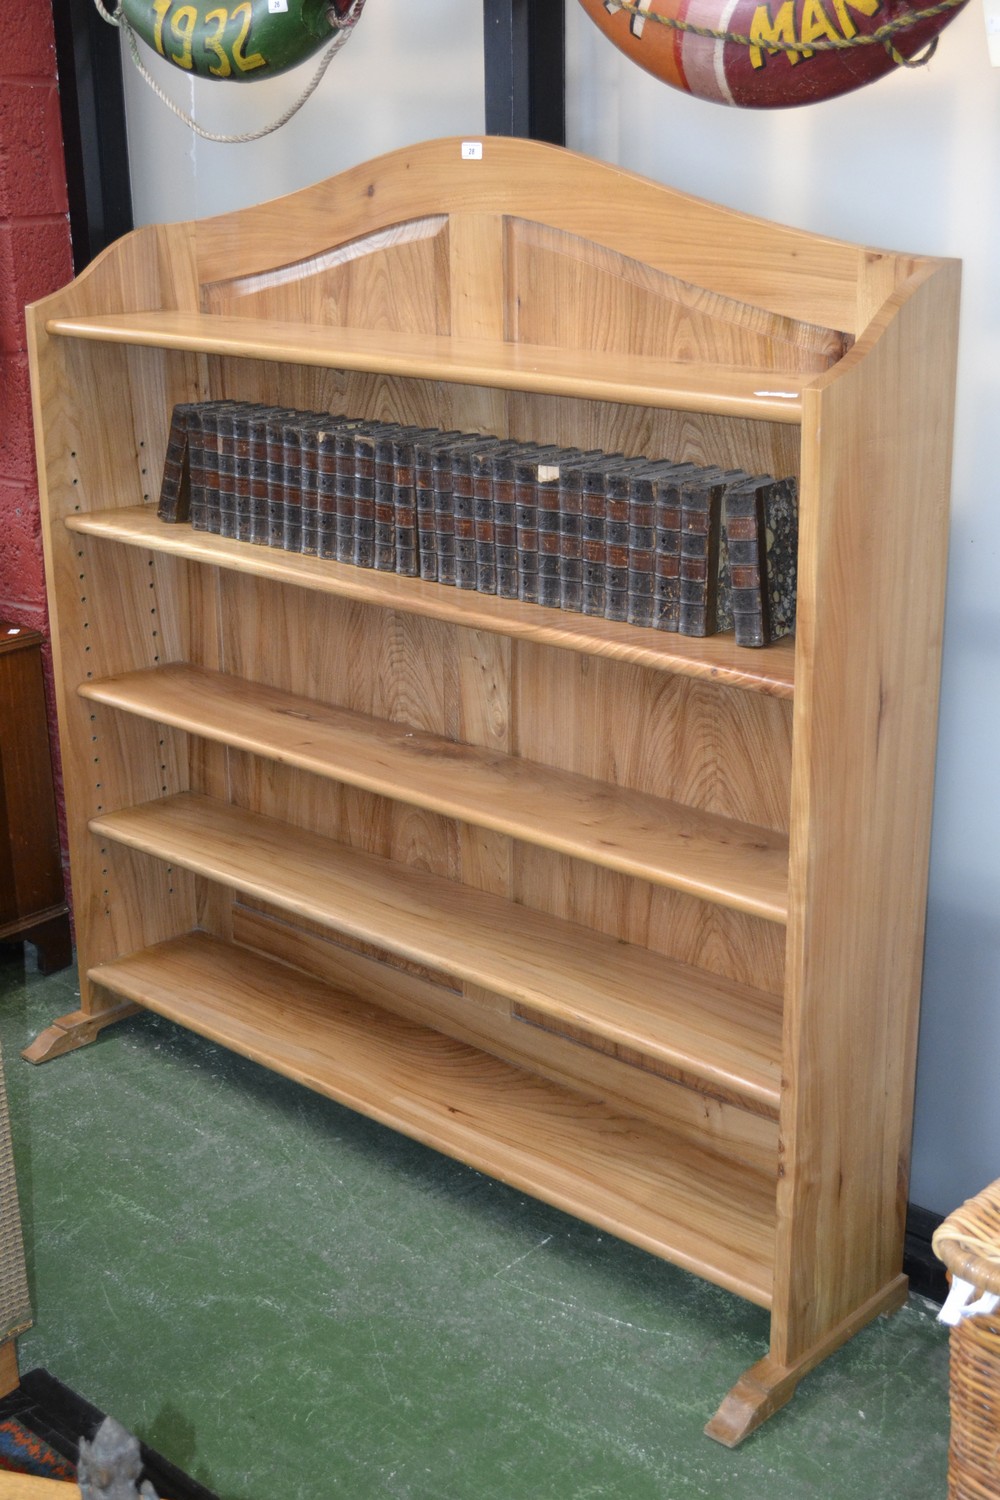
<point>718,859</point>
<point>712,1034</point>
<point>657,1191</point>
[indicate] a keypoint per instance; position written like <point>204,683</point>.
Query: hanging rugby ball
<point>760,73</point>
<point>238,42</point>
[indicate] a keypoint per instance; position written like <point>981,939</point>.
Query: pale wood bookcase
<point>629,920</point>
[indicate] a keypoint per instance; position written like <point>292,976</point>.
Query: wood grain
<point>712,1034</point>
<point>726,390</point>
<point>862,792</point>
<point>716,858</point>
<point>715,658</point>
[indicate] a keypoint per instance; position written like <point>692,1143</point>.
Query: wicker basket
<point>969,1244</point>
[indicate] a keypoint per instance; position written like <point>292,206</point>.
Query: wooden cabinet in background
<point>32,896</point>
<point>631,921</point>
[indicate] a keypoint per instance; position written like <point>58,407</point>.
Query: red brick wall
<point>34,260</point>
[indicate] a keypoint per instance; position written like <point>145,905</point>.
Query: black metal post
<point>525,64</point>
<point>92,102</point>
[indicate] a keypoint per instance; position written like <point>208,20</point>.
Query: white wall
<point>409,72</point>
<point>911,162</point>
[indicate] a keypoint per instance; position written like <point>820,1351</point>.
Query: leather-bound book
<point>175,485</point>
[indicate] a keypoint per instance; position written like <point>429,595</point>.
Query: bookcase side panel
<point>877,458</point>
<point>94,405</point>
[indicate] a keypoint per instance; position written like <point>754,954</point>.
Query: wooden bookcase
<point>629,920</point>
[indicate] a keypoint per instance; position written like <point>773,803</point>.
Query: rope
<point>881,36</point>
<point>342,30</point>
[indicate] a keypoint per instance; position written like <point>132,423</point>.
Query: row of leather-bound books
<point>673,546</point>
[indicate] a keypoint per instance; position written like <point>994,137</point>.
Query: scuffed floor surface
<point>292,1303</point>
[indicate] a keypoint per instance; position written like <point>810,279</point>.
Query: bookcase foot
<point>769,1385</point>
<point>74,1030</point>
<point>764,1389</point>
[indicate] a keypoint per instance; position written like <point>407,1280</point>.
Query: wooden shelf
<point>715,858</point>
<point>646,381</point>
<point>715,658</point>
<point>627,1177</point>
<point>711,1034</point>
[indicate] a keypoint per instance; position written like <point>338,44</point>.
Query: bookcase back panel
<point>787,271</point>
<point>729,943</point>
<point>378,661</point>
<point>395,278</point>
<point>686,437</point>
<point>93,464</point>
<point>619,304</point>
<point>711,747</point>
<point>716,748</point>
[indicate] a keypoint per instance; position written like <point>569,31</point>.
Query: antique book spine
<point>326,488</point>
<point>257,420</point>
<point>761,525</point>
<point>463,507</point>
<point>211,416</point>
<point>275,440</point>
<point>424,450</point>
<point>445,459</point>
<point>384,545</point>
<point>594,546</point>
<point>505,521</point>
<point>570,522</point>
<point>701,517</point>
<point>221,499</point>
<point>617,507</point>
<point>582,490</point>
<point>423,500</point>
<point>463,516</point>
<point>526,524</point>
<point>667,555</point>
<point>647,585</point>
<point>404,500</point>
<point>309,433</point>
<point>724,621</point>
<point>224,424</point>
<point>641,545</point>
<point>175,486</point>
<point>364,494</point>
<point>444,514</point>
<point>747,544</point>
<point>484,462</point>
<point>344,444</point>
<point>537,473</point>
<point>781,522</point>
<point>291,482</point>
<point>483,525</point>
<point>196,466</point>
<point>241,415</point>
<point>548,503</point>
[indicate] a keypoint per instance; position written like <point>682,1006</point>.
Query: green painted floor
<point>292,1303</point>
